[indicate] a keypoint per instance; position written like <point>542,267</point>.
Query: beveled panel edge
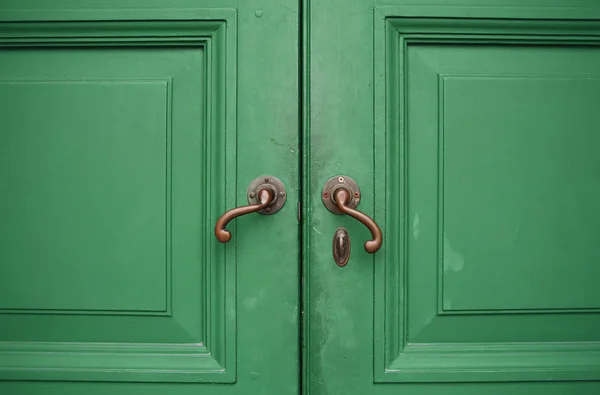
<point>495,362</point>
<point>216,31</point>
<point>395,28</point>
<point>108,362</point>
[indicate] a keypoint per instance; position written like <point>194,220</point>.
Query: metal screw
<point>281,194</point>
<point>266,179</point>
<point>326,195</point>
<point>252,194</point>
<point>356,194</point>
<point>341,179</point>
<point>268,210</point>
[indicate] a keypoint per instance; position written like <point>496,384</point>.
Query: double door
<point>465,132</point>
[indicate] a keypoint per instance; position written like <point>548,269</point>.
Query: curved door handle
<point>341,195</point>
<point>341,198</point>
<point>266,195</point>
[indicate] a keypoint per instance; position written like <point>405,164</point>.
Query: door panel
<point>119,151</point>
<point>482,177</point>
<point>103,211</point>
<point>500,215</point>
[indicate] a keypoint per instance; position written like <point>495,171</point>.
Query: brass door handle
<point>266,195</point>
<point>341,195</point>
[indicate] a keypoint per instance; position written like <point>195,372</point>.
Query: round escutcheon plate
<point>272,183</point>
<point>333,184</point>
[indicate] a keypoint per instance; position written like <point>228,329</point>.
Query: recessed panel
<point>104,175</point>
<point>502,190</point>
<point>491,205</point>
<point>520,192</point>
<point>111,137</point>
<point>83,178</point>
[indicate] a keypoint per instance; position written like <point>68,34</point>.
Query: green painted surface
<point>61,211</point>
<point>121,141</point>
<point>546,193</point>
<point>472,130</point>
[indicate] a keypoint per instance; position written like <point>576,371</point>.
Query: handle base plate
<point>338,182</point>
<point>272,183</point>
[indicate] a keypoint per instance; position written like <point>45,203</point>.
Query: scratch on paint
<point>315,229</point>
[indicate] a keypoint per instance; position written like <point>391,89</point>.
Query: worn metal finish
<point>340,247</point>
<point>335,183</point>
<point>342,197</point>
<point>267,182</point>
<point>264,196</point>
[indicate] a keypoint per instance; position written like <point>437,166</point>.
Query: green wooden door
<point>126,129</point>
<point>472,130</point>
